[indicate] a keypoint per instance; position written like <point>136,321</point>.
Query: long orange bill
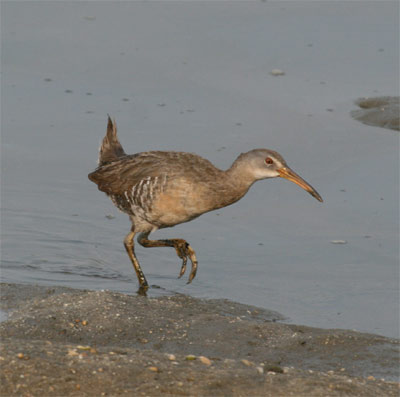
<point>290,175</point>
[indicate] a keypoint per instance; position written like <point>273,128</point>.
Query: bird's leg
<point>182,248</point>
<point>129,246</point>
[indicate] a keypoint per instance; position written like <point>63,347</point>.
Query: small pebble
<point>171,357</point>
<point>277,72</point>
<point>246,362</point>
<point>276,369</point>
<point>83,347</point>
<point>190,357</point>
<point>153,369</point>
<point>338,241</point>
<point>20,355</point>
<point>260,370</point>
<point>72,352</point>
<point>370,377</point>
<point>205,360</point>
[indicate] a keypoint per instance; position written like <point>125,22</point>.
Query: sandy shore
<point>60,341</point>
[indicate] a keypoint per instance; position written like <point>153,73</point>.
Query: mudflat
<point>61,341</point>
<point>379,111</point>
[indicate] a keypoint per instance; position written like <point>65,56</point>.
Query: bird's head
<point>265,163</point>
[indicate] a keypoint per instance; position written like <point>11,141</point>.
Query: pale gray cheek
<point>273,174</point>
<point>266,173</point>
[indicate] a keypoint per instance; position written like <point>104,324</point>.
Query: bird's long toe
<point>183,267</point>
<point>193,259</point>
<point>193,272</point>
<point>182,252</point>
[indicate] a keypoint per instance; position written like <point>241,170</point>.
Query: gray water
<point>195,76</point>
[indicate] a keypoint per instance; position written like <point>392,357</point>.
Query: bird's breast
<point>177,203</point>
<point>183,200</point>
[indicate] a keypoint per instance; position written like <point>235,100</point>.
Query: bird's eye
<point>269,161</point>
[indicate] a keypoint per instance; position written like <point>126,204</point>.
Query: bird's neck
<point>235,184</point>
<point>241,174</point>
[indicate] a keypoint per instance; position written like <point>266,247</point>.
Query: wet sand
<point>61,341</point>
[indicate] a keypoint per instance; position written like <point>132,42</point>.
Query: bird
<point>161,189</point>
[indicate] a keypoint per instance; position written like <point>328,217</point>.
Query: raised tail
<point>110,148</point>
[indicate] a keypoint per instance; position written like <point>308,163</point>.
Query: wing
<point>123,175</point>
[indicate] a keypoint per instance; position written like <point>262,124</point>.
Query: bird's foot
<point>142,291</point>
<point>185,251</point>
<point>182,248</point>
<point>143,285</point>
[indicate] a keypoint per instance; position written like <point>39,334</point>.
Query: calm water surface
<point>179,76</point>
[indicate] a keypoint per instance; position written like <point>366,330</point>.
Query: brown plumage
<point>162,189</point>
